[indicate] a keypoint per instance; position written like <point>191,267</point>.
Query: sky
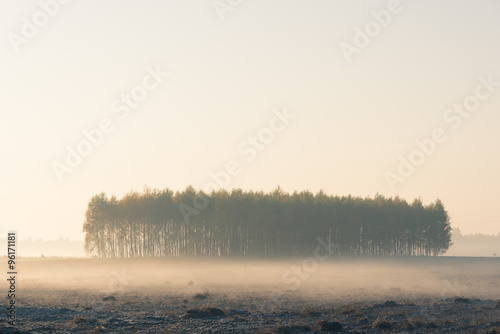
<point>316,95</point>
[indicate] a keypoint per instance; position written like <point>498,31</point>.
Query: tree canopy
<point>154,223</point>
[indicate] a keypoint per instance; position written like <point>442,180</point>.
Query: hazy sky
<point>227,77</point>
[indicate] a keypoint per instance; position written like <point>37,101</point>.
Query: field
<point>232,295</point>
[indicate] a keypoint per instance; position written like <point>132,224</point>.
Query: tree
<point>153,223</point>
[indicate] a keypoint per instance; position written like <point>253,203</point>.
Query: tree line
<point>154,223</point>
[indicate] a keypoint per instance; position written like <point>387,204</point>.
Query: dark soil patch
<point>330,326</point>
<point>390,303</point>
<point>381,323</point>
<point>290,329</point>
<point>201,296</point>
<point>208,312</point>
<point>215,312</point>
<point>461,300</point>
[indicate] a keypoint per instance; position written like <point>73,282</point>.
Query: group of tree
<point>474,244</point>
<point>154,223</point>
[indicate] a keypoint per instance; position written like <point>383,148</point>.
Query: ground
<point>205,295</point>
